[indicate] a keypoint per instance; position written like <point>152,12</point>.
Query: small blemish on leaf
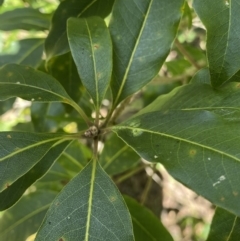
<point>9,74</point>
<point>7,185</point>
<point>192,153</point>
<point>235,193</point>
<point>49,222</point>
<point>9,136</point>
<point>137,132</point>
<point>113,198</point>
<point>26,67</point>
<point>18,82</point>
<point>222,199</point>
<point>96,46</point>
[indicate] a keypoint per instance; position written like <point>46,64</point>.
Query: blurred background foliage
<point>24,25</point>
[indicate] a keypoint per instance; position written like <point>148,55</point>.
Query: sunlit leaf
<point>117,157</point>
<point>24,219</point>
<point>146,226</point>
<point>89,208</point>
<point>222,21</point>
<point>199,148</point>
<point>13,193</point>
<point>24,18</point>
<point>142,33</point>
<point>225,226</point>
<point>91,48</point>
<point>56,42</point>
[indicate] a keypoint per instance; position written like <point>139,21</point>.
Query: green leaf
<point>29,53</point>
<point>6,105</point>
<point>198,148</point>
<point>75,157</point>
<point>222,21</point>
<point>225,226</point>
<point>64,70</point>
<point>142,34</point>
<point>117,157</point>
<point>20,151</point>
<point>89,208</point>
<point>24,18</point>
<point>146,226</point>
<point>30,84</point>
<point>91,48</point>
<point>23,220</point>
<point>13,193</point>
<point>56,42</point>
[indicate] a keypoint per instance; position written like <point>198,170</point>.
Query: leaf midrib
<point>233,226</point>
<point>132,55</point>
<point>177,138</point>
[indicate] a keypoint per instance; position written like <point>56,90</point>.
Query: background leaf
<point>91,48</point>
<point>142,33</point>
<point>29,53</point>
<point>6,105</point>
<point>13,193</point>
<point>24,18</point>
<point>56,42</point>
<point>23,220</point>
<point>225,226</point>
<point>146,225</point>
<point>20,151</point>
<point>221,19</point>
<point>186,141</point>
<point>90,200</point>
<point>117,157</point>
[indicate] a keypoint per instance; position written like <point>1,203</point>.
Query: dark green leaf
<point>56,42</point>
<point>91,48</point>
<point>188,13</point>
<point>222,21</point>
<point>198,148</point>
<point>30,84</point>
<point>225,226</point>
<point>42,116</point>
<point>20,151</point>
<point>64,70</point>
<point>142,34</point>
<point>24,18</point>
<point>89,208</point>
<point>29,53</point>
<point>117,157</point>
<point>1,2</point>
<point>146,226</point>
<point>24,219</point>
<point>75,158</point>
<point>13,193</point>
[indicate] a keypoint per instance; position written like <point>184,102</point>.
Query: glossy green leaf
<point>75,157</point>
<point>56,42</point>
<point>30,84</point>
<point>225,226</point>
<point>89,208</point>
<point>64,70</point>
<point>20,151</point>
<point>198,148</point>
<point>146,226</point>
<point>91,48</point>
<point>24,18</point>
<point>13,193</point>
<point>29,53</point>
<point>142,34</point>
<point>117,157</point>
<point>24,219</point>
<point>222,21</point>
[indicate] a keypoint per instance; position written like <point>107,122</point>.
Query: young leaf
<point>91,48</point>
<point>13,193</point>
<point>225,226</point>
<point>24,18</point>
<point>146,226</point>
<point>29,53</point>
<point>222,21</point>
<point>89,208</point>
<point>117,157</point>
<point>23,219</point>
<point>56,42</point>
<point>198,148</point>
<point>20,151</point>
<point>142,33</point>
